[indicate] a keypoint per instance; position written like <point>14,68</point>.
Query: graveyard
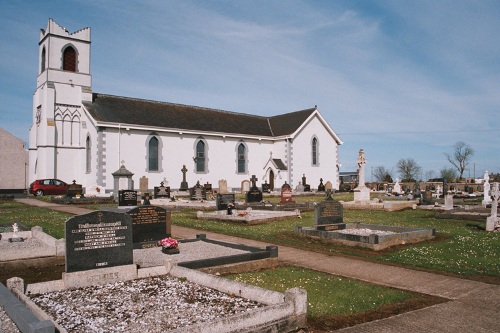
<point>439,250</point>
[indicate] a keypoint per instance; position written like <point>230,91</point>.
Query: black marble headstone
<point>266,187</point>
<point>127,198</point>
<point>321,186</point>
<point>74,189</point>
<point>98,240</point>
<point>222,200</point>
<point>149,225</point>
<point>328,212</point>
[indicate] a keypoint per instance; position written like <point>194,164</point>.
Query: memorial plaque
<point>149,225</point>
<point>222,200</point>
<point>328,212</point>
<point>98,240</point>
<point>331,227</point>
<point>127,198</point>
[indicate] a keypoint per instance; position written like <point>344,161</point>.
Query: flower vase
<point>170,250</point>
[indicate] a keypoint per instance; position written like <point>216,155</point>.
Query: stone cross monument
<point>361,193</point>
<point>486,189</point>
<point>493,222</point>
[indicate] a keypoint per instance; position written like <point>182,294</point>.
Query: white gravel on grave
<point>155,304</point>
<point>6,324</point>
<point>364,232</point>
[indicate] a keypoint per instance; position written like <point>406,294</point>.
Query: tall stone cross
<point>253,180</point>
<point>361,160</point>
<point>184,170</point>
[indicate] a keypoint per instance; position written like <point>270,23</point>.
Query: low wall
<point>285,312</point>
<point>372,241</point>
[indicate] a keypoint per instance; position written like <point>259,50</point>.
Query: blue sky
<point>400,79</point>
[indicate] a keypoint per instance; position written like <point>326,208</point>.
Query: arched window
<point>153,154</point>
<point>88,155</point>
<point>314,151</point>
<point>200,156</point>
<point>69,59</point>
<point>42,60</point>
<point>242,158</point>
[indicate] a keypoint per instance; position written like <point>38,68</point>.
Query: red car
<point>48,186</point>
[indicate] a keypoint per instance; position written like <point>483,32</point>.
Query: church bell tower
<point>63,82</point>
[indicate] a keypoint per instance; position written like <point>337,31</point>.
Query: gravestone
<point>222,200</point>
<point>486,189</point>
<point>162,191</point>
<point>223,186</point>
<point>184,184</point>
<point>321,186</point>
<point>98,240</point>
<point>149,225</point>
<point>266,187</point>
<point>197,192</point>
<point>397,188</point>
<point>254,194</point>
<point>143,184</point>
<point>448,202</point>
<point>208,187</point>
<point>427,197</point>
<point>74,189</point>
<point>307,187</point>
<point>286,194</point>
<point>328,186</point>
<point>127,198</point>
<point>245,186</point>
<point>299,188</point>
<point>328,215</point>
<point>493,222</point>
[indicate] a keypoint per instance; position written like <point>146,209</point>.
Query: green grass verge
<point>51,221</point>
<point>326,294</point>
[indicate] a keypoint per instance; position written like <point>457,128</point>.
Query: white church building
<point>85,136</point>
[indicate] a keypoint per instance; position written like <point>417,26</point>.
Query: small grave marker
<point>197,192</point>
<point>254,194</point>
<point>162,191</point>
<point>286,194</point>
<point>222,201</point>
<point>127,198</point>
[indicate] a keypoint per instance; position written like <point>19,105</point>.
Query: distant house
<point>13,163</point>
<point>81,135</point>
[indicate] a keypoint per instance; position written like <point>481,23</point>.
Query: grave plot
<point>249,216</point>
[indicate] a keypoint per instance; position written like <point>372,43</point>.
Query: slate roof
<point>131,111</point>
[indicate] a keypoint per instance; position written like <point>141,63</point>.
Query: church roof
<point>132,111</point>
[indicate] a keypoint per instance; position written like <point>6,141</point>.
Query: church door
<point>271,180</point>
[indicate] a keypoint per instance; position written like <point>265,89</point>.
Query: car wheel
<point>39,193</point>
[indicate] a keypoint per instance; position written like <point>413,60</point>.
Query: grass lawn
<point>460,248</point>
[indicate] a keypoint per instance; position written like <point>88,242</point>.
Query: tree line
<point>409,170</point>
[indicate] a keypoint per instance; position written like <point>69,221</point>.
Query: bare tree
<point>408,169</point>
<point>429,174</point>
<point>460,157</point>
<point>381,174</point>
<point>448,174</point>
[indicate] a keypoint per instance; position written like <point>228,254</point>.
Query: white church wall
<point>179,150</point>
<point>326,164</point>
